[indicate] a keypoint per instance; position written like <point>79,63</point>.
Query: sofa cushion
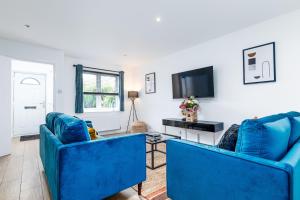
<point>262,120</point>
<point>295,132</point>
<point>267,140</point>
<point>228,140</point>
<point>70,129</point>
<point>50,118</point>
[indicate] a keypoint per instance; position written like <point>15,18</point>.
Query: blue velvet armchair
<point>196,171</point>
<point>92,170</point>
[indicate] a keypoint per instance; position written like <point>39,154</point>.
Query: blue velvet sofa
<point>90,170</point>
<point>197,171</point>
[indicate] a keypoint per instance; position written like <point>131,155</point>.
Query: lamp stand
<point>133,112</point>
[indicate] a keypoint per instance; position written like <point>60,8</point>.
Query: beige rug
<point>154,188</point>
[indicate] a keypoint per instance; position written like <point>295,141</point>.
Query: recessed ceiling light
<point>27,25</point>
<point>157,19</point>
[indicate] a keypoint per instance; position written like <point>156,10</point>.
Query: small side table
<point>153,147</point>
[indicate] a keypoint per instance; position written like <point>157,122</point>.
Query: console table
<point>207,126</point>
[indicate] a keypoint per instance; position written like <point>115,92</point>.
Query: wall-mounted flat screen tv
<point>198,83</point>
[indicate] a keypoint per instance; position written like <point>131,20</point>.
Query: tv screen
<point>198,83</point>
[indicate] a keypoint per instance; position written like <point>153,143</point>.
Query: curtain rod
<point>93,68</point>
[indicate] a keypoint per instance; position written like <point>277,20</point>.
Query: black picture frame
<point>273,44</point>
<point>153,90</point>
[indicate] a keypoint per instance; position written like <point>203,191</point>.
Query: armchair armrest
<point>196,171</point>
<point>102,167</point>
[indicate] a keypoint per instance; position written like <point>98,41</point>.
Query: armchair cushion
<point>70,129</point>
<point>267,140</point>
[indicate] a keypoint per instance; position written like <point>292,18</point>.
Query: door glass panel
<point>30,81</point>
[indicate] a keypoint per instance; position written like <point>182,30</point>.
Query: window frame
<point>97,73</point>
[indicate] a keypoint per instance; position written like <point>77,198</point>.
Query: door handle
<point>29,107</point>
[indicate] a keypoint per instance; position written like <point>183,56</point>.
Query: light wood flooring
<point>22,175</point>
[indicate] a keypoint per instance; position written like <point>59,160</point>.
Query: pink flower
<point>182,106</point>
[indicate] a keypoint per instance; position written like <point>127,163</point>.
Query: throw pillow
<point>50,118</point>
<point>262,120</point>
<point>265,140</point>
<point>228,140</point>
<point>295,132</point>
<point>70,129</point>
<point>92,133</point>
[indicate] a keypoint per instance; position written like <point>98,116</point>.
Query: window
<point>100,92</point>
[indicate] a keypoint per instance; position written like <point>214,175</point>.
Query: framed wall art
<point>150,83</point>
<point>259,64</point>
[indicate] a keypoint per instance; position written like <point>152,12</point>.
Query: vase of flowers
<point>189,108</point>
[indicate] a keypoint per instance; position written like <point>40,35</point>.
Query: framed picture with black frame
<point>150,83</point>
<point>259,64</point>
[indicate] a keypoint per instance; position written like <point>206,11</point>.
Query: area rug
<point>154,188</point>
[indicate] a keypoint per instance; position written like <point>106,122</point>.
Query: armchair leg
<point>140,188</point>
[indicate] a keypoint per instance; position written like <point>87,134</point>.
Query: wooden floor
<point>22,175</point>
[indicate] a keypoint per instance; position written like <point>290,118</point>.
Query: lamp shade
<point>133,94</point>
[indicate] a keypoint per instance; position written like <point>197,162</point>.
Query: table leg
<point>152,157</point>
<point>214,142</point>
<point>198,137</point>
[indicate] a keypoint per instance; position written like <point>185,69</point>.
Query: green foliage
<point>89,101</point>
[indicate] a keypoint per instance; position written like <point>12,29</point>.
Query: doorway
<point>32,96</point>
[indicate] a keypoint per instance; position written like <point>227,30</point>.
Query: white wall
<point>5,106</point>
<point>233,101</point>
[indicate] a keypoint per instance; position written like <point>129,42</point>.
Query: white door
<point>29,103</point>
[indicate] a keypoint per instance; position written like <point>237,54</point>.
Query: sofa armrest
<point>97,169</point>
<point>197,171</point>
<point>50,147</point>
<point>292,158</point>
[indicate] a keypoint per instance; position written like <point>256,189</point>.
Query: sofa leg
<point>140,188</point>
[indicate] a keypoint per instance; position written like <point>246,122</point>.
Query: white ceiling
<point>105,30</point>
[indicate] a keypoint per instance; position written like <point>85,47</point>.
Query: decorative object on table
<point>259,64</point>
<point>150,83</point>
<point>138,127</point>
<point>229,139</point>
<point>132,95</point>
<point>153,136</point>
<point>189,108</point>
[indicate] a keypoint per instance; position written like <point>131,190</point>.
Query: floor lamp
<point>132,95</point>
